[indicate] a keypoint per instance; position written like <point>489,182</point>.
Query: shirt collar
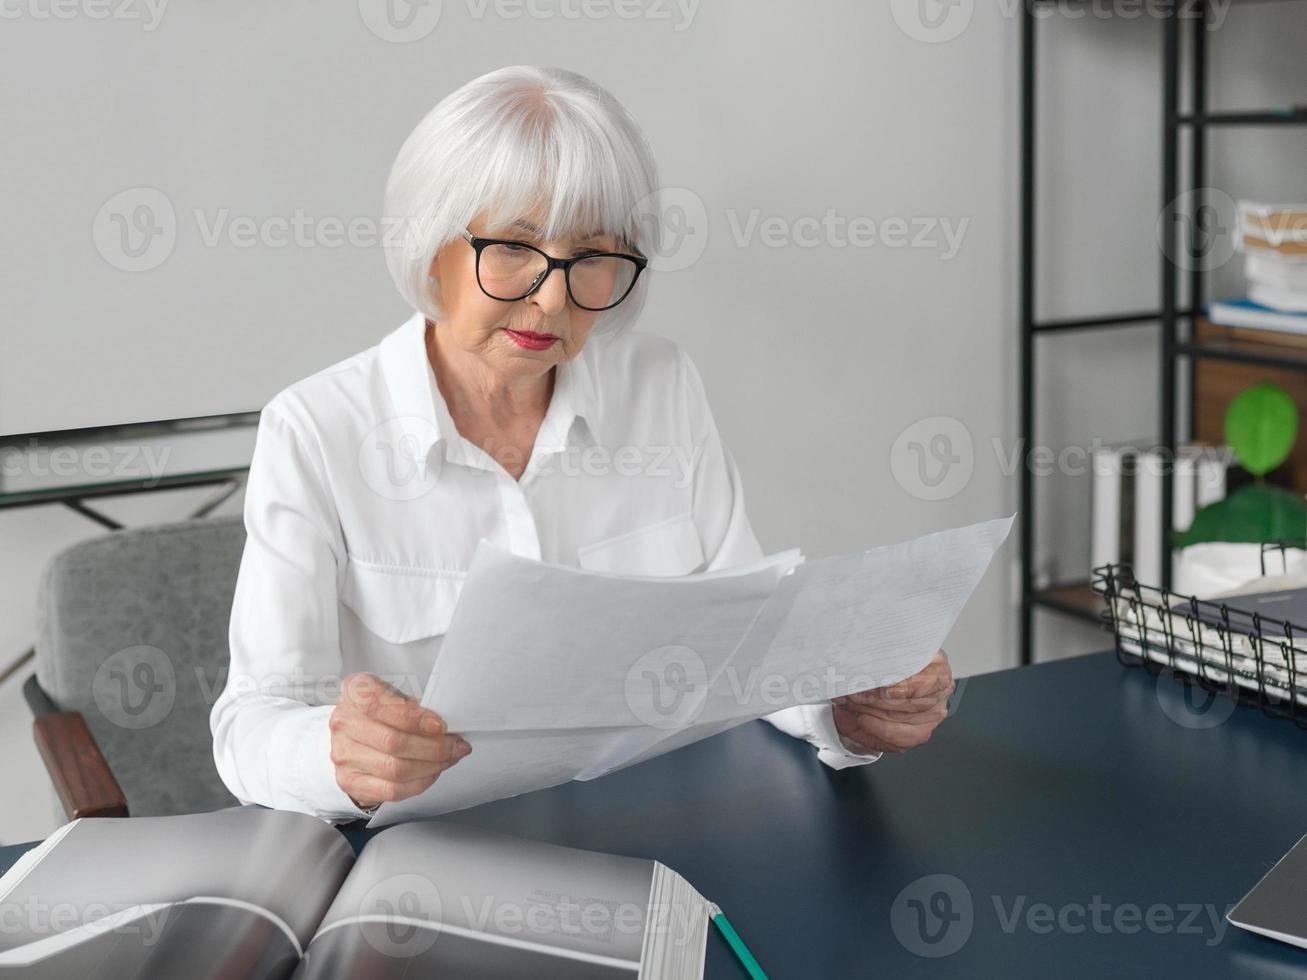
<point>421,412</point>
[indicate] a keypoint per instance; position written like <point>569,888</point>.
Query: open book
<point>270,894</point>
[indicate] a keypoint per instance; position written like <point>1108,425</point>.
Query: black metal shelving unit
<point>1179,350</point>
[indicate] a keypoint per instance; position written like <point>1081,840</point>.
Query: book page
<point>439,899</point>
<point>115,893</point>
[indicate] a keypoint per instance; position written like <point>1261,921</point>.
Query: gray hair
<point>507,142</point>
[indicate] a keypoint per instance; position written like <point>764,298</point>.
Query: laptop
<point>1287,605</point>
<point>1275,906</point>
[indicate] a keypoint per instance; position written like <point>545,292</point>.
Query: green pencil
<point>732,937</point>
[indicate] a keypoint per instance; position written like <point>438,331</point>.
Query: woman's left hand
<point>899,717</point>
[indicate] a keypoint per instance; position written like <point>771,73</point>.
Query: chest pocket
<point>399,603</point>
<point>669,547</point>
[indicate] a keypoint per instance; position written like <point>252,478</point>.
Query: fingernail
<point>462,749</point>
<point>432,725</point>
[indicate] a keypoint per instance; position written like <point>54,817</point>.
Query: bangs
<point>545,161</point>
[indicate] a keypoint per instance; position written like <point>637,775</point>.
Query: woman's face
<point>483,326</point>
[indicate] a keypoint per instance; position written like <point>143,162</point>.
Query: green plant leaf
<point>1255,513</point>
<point>1261,425</point>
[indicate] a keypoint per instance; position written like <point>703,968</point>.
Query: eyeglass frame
<point>552,263</point>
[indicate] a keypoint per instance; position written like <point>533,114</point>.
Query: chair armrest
<point>81,776</point>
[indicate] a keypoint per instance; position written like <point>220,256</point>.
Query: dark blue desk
<point>1078,792</point>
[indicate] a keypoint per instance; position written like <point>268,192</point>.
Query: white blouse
<point>364,506</point>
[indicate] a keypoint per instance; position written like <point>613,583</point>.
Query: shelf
<point>1288,116</point>
<point>1092,322</point>
<point>1105,320</point>
<point>1185,123</point>
<point>1076,599</point>
<point>1246,352</point>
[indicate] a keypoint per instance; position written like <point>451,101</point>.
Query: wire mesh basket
<point>1245,655</point>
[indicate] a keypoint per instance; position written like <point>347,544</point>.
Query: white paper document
<point>555,673</point>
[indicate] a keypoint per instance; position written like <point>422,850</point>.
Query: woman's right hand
<point>386,746</point>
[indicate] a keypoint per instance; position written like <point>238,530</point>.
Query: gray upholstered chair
<point>131,653</point>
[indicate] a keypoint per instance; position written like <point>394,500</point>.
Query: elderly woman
<point>514,405</point>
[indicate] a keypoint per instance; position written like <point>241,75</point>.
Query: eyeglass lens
<point>507,272</point>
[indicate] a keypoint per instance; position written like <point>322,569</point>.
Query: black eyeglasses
<point>511,270</point>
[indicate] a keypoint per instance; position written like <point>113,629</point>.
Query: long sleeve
<point>729,541</point>
<point>271,742</point>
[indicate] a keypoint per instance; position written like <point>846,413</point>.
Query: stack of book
<point>1126,500</point>
<point>1273,239</point>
